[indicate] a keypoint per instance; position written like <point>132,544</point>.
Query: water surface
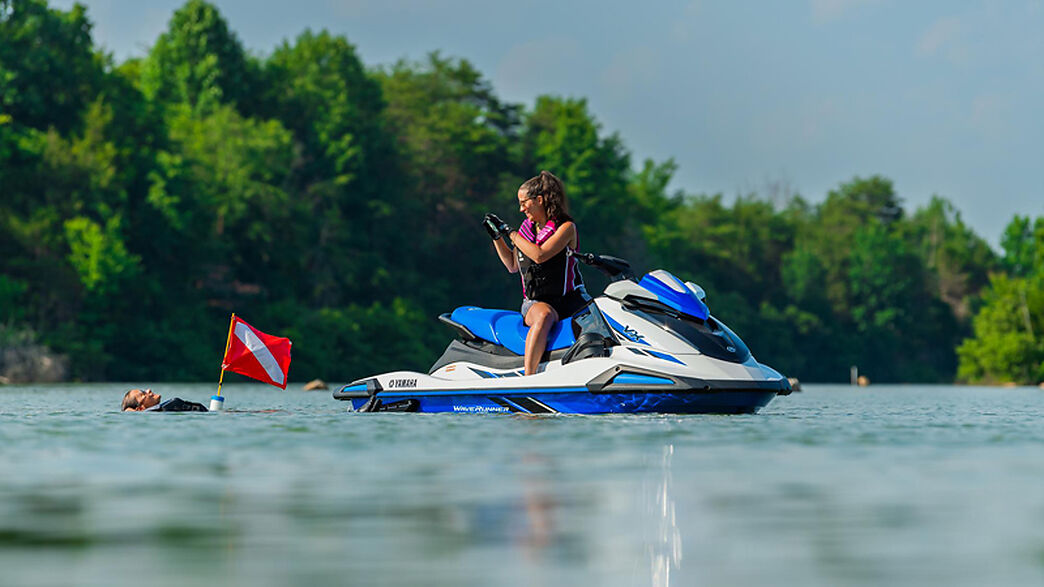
<point>898,485</point>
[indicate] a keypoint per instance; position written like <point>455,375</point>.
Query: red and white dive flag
<point>256,354</point>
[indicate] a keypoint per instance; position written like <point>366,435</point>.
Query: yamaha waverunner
<point>644,345</point>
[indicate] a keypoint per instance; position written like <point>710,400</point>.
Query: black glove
<point>496,227</point>
<point>491,227</point>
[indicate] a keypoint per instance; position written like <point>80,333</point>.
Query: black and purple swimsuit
<point>556,281</point>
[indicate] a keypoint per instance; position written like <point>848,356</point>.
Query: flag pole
<point>216,401</point>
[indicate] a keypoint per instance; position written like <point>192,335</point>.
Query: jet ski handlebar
<point>615,268</point>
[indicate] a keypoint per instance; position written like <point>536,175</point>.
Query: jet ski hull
<point>583,403</point>
<point>576,400</point>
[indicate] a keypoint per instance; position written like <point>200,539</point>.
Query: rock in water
<point>314,385</point>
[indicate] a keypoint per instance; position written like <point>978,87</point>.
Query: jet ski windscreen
<point>671,291</point>
<point>590,319</point>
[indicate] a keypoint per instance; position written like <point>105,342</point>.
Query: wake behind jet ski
<point>644,345</point>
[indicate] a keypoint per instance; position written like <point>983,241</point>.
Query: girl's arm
<point>564,236</point>
<point>507,257</point>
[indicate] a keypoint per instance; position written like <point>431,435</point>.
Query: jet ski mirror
<point>697,290</point>
<point>615,268</point>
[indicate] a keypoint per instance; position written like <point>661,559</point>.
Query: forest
<point>339,204</point>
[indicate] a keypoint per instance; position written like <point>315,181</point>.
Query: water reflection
<point>539,507</point>
<point>522,519</point>
<point>665,549</point>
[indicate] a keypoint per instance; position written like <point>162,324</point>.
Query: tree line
<point>338,204</point>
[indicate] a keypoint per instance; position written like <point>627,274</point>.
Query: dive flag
<point>256,354</point>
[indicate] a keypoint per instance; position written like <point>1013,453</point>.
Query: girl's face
<point>533,207</point>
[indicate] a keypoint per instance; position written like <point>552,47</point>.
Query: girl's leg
<point>540,318</point>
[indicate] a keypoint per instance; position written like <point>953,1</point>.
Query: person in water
<point>552,288</point>
<point>142,400</point>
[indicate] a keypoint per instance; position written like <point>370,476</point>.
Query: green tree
<point>561,136</point>
<point>59,179</point>
<point>804,277</point>
<point>346,174</point>
<point>884,278</point>
<point>238,167</point>
<point>98,255</point>
<point>847,209</point>
<point>199,62</point>
<point>1008,330</point>
<point>908,333</point>
<point>1008,341</point>
<point>339,343</point>
<point>48,71</point>
<point>1023,244</point>
<point>459,145</point>
<point>958,259</point>
<point>12,299</point>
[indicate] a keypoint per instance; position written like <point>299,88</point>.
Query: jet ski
<point>646,345</point>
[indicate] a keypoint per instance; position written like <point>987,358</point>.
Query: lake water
<point>888,485</point>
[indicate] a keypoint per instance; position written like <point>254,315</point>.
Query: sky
<point>944,97</point>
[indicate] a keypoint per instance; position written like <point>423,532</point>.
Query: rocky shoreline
<point>23,360</point>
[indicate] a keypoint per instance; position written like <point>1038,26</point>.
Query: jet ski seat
<point>506,328</point>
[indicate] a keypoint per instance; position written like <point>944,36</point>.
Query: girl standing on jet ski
<point>552,288</point>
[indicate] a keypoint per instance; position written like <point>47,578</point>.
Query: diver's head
<point>542,198</point>
<point>137,400</point>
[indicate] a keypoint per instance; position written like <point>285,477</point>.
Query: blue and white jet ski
<point>648,345</point>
